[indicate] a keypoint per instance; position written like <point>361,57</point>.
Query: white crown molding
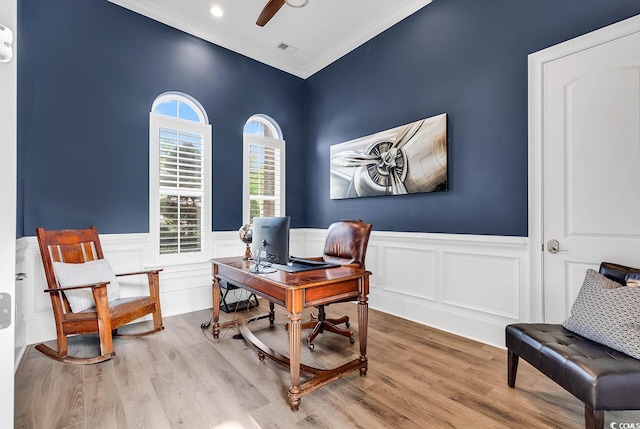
<point>361,38</point>
<point>149,9</point>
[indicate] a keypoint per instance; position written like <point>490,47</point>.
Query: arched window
<point>180,178</point>
<point>263,169</point>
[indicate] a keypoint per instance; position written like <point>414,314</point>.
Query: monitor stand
<point>259,268</point>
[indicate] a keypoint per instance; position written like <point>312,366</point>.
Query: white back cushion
<point>82,274</point>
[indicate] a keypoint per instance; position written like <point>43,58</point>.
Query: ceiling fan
<point>273,6</point>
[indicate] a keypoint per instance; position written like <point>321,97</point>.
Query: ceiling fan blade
<point>271,8</point>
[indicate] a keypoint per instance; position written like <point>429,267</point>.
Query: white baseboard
<point>468,285</point>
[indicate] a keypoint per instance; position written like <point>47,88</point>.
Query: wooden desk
<point>296,291</point>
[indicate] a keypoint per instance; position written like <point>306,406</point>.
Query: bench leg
<point>593,419</point>
<point>512,367</point>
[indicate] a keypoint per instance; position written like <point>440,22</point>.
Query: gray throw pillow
<point>607,313</point>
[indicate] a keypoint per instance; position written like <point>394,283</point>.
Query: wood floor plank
<point>65,401</point>
<point>418,377</point>
<point>239,389</point>
<point>338,407</point>
<point>33,380</point>
<point>104,408</point>
<point>422,398</point>
<point>178,403</point>
<point>141,404</point>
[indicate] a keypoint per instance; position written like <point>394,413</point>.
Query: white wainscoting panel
<point>468,285</point>
<point>413,272</point>
<point>20,324</point>
<point>183,288</point>
<point>481,282</point>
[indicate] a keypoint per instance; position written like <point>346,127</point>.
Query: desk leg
<point>294,359</point>
<point>215,290</point>
<point>272,313</point>
<point>363,325</point>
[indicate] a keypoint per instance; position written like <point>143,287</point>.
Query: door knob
<point>553,246</point>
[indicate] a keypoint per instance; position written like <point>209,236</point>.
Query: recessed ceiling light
<point>296,3</point>
<point>217,11</point>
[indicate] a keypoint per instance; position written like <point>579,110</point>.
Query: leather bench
<point>599,376</point>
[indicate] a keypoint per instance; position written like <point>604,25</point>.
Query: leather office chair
<point>346,244</point>
<point>79,255</point>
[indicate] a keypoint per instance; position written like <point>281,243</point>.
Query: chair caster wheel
<point>352,340</point>
<point>347,324</point>
<point>311,346</point>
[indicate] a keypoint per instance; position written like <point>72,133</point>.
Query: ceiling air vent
<point>287,48</point>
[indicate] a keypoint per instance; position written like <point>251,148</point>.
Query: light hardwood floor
<point>418,377</point>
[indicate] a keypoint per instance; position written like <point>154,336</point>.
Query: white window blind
<point>264,181</point>
<point>179,179</point>
<point>181,191</point>
<point>263,169</point>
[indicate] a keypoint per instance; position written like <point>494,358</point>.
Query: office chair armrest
<point>352,265</point>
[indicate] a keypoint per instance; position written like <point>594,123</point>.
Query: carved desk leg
<point>216,303</point>
<point>294,359</point>
<point>363,325</point>
<point>272,313</point>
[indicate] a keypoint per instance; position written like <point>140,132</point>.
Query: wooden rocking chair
<point>77,247</point>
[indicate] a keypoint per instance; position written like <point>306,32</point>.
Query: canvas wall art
<point>407,159</point>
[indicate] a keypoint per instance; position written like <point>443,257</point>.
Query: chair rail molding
<point>468,285</point>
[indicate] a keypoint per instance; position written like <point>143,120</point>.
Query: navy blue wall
<point>89,72</point>
<point>466,58</point>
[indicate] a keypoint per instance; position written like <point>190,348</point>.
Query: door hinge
<point>5,310</point>
<point>6,44</point>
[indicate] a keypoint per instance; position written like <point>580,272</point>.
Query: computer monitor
<point>270,241</point>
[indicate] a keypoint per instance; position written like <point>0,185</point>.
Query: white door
<point>590,136</point>
<point>8,88</point>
